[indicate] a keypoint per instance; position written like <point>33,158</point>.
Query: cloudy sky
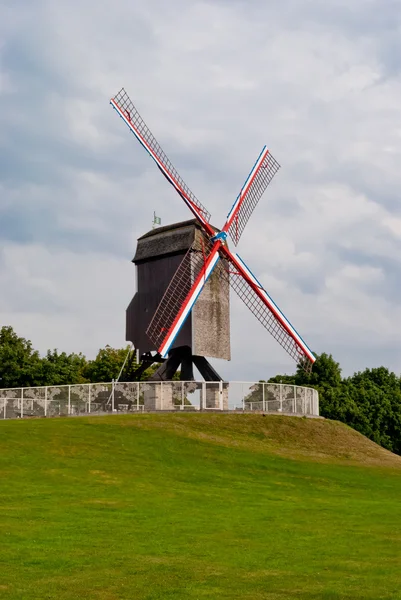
<point>318,81</point>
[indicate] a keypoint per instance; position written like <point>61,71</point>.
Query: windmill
<point>209,253</point>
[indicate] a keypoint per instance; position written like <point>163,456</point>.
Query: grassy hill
<point>218,506</point>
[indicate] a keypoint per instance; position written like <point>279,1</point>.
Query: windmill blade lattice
<point>259,178</point>
<point>178,291</point>
<point>269,321</point>
<point>127,110</point>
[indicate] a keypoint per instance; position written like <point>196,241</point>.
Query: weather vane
<point>156,220</point>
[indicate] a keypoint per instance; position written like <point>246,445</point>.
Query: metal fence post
<point>22,403</point>
<point>263,398</point>
<point>137,395</point>
<point>89,397</point>
<point>182,395</point>
<point>112,396</point>
<point>46,401</point>
<point>69,400</point>
<point>202,399</point>
<point>221,395</point>
<point>295,400</point>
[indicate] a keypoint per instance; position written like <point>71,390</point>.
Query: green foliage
<point>107,364</point>
<point>326,373</point>
<point>377,395</point>
<point>19,362</point>
<point>61,369</point>
<point>22,366</point>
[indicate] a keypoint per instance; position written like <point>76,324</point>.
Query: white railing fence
<point>91,398</point>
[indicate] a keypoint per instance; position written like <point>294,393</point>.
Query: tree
<point>61,369</point>
<point>377,394</point>
<point>19,362</point>
<point>326,372</point>
<point>325,377</point>
<point>106,366</point>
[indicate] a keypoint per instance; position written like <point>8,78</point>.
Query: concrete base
<point>215,398</point>
<point>158,396</point>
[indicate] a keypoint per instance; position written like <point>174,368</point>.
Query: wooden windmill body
<point>158,255</point>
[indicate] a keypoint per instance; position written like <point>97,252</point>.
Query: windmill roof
<point>164,241</point>
<point>171,239</point>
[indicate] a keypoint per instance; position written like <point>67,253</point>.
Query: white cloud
<point>59,295</point>
<point>394,225</point>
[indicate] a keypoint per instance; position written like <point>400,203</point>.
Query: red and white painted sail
<point>131,117</point>
<point>255,185</point>
<point>250,290</point>
<point>190,300</point>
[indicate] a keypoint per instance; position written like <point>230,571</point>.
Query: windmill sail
<point>255,297</point>
<point>253,189</point>
<point>127,111</point>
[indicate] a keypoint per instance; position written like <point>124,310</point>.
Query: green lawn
<point>197,506</point>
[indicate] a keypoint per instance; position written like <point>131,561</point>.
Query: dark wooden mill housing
<point>207,330</point>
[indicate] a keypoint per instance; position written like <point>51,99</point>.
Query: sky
<point>318,81</point>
